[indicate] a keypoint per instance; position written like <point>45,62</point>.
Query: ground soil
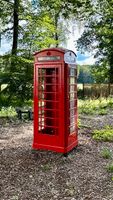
<point>45,175</point>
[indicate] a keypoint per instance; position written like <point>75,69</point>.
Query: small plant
<point>106,153</point>
<point>110,168</point>
<point>79,123</point>
<point>97,106</point>
<point>105,134</point>
<point>102,112</point>
<point>7,112</point>
<point>46,167</point>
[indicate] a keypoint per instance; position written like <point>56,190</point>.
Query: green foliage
<point>79,8</point>
<point>98,106</point>
<point>84,74</point>
<point>102,112</point>
<point>35,29</point>
<point>46,167</point>
<point>29,103</point>
<point>7,112</point>
<point>38,24</point>
<point>98,36</point>
<point>100,73</point>
<point>18,78</point>
<point>110,168</point>
<point>106,153</point>
<point>79,123</point>
<point>105,134</point>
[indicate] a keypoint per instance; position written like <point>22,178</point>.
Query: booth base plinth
<point>64,150</point>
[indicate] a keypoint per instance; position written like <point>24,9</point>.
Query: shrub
<point>7,112</point>
<point>98,106</point>
<point>102,112</point>
<point>105,134</point>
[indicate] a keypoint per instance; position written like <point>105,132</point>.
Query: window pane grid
<point>72,99</point>
<point>48,106</point>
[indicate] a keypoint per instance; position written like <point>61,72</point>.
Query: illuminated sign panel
<point>49,58</point>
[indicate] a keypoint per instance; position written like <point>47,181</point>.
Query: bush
<point>7,112</point>
<point>98,106</point>
<point>105,134</point>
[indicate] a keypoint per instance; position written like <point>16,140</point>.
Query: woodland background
<point>33,25</point>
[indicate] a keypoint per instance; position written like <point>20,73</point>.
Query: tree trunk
<point>14,46</point>
<point>111,73</point>
<point>56,27</point>
<point>15,27</point>
<point>56,38</point>
<point>109,89</point>
<point>83,89</point>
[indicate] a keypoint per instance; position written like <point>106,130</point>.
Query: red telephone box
<point>55,100</point>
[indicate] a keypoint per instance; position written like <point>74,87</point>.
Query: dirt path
<point>42,175</point>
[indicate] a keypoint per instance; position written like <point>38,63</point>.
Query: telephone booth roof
<point>62,50</point>
<point>55,54</point>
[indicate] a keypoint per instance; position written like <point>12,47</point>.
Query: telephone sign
<point>70,57</point>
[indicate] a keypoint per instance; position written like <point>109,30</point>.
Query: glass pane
<point>72,128</point>
<point>72,120</point>
<point>72,80</point>
<point>72,72</point>
<point>48,100</point>
<point>72,104</point>
<point>72,112</point>
<point>73,96</point>
<point>72,88</point>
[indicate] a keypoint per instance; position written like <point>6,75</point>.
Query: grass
<point>79,123</point>
<point>97,106</point>
<point>110,167</point>
<point>46,167</point>
<point>7,112</point>
<point>106,153</point>
<point>105,134</point>
<point>88,107</point>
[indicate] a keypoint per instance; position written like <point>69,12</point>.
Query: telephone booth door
<point>48,107</point>
<point>48,100</point>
